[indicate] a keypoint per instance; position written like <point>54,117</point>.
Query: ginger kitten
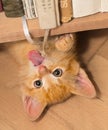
<point>50,78</point>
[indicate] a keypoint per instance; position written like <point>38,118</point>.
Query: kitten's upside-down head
<point>53,79</point>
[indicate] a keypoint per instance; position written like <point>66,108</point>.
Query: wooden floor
<point>77,113</point>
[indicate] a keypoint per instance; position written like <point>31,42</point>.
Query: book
<point>30,9</point>
<point>88,7</point>
<point>85,7</point>
<point>65,10</point>
<point>48,13</point>
<point>13,8</point>
<point>1,6</point>
<point>104,5</point>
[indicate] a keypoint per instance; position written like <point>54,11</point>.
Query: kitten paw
<point>65,42</point>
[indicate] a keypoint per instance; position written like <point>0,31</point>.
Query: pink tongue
<point>35,57</point>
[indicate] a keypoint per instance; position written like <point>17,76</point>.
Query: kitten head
<point>53,79</point>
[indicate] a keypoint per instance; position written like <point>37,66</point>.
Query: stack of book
<point>51,13</point>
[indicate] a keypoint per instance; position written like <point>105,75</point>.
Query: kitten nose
<point>43,69</point>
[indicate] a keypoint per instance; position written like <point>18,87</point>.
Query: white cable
<point>26,30</point>
<point>46,35</point>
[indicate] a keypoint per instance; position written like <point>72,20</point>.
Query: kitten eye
<point>57,72</point>
<point>37,83</point>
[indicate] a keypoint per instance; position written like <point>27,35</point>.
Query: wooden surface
<point>11,28</point>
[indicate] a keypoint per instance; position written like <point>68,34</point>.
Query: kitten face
<point>48,82</point>
<point>53,80</point>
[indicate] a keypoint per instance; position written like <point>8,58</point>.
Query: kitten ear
<point>33,107</point>
<point>83,85</point>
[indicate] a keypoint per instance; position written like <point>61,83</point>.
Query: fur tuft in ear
<point>33,107</point>
<point>83,85</point>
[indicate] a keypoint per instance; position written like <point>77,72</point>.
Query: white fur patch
<point>51,78</point>
<point>32,69</point>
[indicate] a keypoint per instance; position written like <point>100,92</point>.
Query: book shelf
<point>11,28</point>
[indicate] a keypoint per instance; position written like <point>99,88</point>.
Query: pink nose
<point>42,69</point>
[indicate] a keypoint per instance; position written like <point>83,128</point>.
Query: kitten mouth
<point>35,57</point>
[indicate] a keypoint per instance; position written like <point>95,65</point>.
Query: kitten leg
<point>65,43</point>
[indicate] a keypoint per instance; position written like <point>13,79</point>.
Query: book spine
<point>13,8</point>
<point>1,6</point>
<point>57,12</point>
<point>48,13</point>
<point>104,6</point>
<point>66,10</point>
<point>30,9</point>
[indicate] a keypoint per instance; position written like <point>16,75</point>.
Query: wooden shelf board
<point>11,28</point>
